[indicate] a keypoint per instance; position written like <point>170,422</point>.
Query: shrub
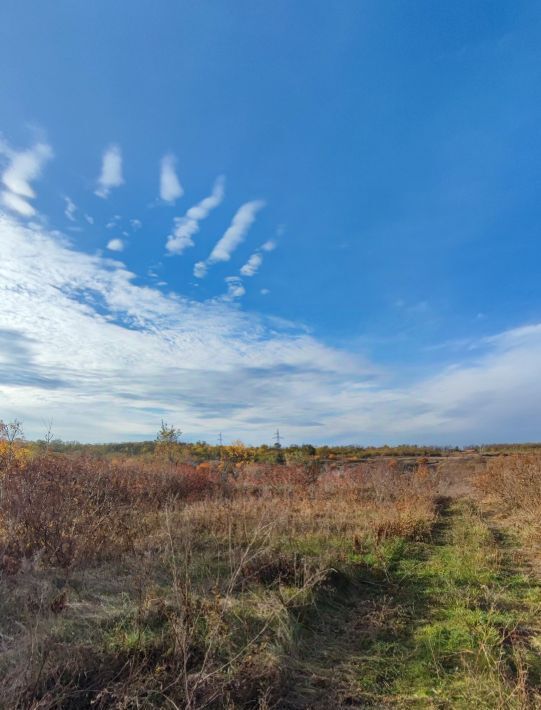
<point>67,510</point>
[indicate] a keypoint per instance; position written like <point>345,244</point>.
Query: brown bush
<point>66,510</point>
<point>515,481</point>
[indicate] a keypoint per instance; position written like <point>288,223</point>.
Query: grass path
<point>450,622</point>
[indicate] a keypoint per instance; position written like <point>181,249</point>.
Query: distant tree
<point>48,439</point>
<point>168,444</point>
<point>10,434</point>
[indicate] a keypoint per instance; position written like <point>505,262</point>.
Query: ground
<point>447,622</point>
<point>388,584</point>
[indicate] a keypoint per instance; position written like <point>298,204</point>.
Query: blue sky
<point>358,181</point>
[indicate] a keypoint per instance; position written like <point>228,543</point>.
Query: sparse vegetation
<point>157,581</point>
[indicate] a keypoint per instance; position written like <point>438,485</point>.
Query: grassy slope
<point>449,622</point>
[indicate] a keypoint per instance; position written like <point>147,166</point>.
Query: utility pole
<point>220,444</point>
<point>280,458</point>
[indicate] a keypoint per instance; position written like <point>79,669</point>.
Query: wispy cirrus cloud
<point>70,208</point>
<point>16,203</point>
<point>236,232</point>
<point>185,228</point>
<point>23,168</point>
<point>170,187</point>
<point>111,171</point>
<point>233,236</point>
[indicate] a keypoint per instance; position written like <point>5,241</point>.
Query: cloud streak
<point>16,203</point>
<point>233,236</point>
<point>170,187</point>
<point>70,209</point>
<point>23,168</point>
<point>111,172</point>
<point>185,228</point>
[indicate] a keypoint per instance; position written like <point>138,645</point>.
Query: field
<point>131,581</point>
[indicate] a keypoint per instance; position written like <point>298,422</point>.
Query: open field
<point>395,582</point>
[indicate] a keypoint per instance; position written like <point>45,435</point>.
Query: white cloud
<point>23,168</point>
<point>111,171</point>
<point>115,245</point>
<point>251,267</point>
<point>135,224</point>
<point>186,227</point>
<point>233,236</point>
<point>17,204</point>
<point>235,288</point>
<point>70,209</point>
<point>170,187</point>
<point>89,219</point>
<point>122,356</point>
<point>200,269</point>
<point>236,232</point>
<point>264,292</point>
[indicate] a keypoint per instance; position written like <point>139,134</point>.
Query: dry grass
<point>511,486</point>
<point>178,586</point>
<point>130,585</point>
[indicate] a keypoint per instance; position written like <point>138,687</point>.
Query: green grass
<point>445,623</point>
<point>480,621</point>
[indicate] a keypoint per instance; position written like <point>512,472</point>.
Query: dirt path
<point>450,622</point>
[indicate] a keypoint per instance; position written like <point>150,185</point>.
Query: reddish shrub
<point>65,509</point>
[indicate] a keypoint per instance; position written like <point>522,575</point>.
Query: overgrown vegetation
<point>156,581</point>
<point>200,451</point>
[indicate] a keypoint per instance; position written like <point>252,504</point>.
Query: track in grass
<point>449,622</point>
